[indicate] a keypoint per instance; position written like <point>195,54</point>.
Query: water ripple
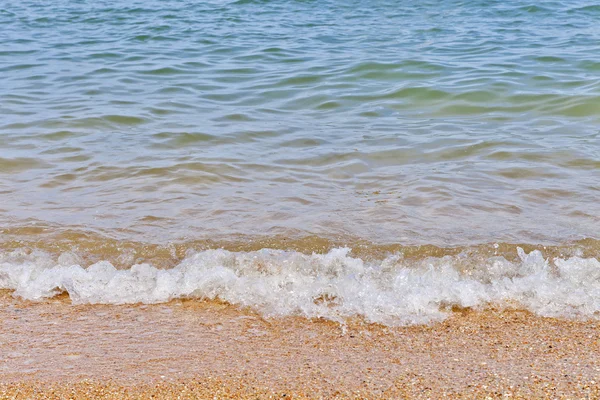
<point>425,122</point>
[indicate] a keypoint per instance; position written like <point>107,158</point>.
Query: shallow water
<point>335,285</point>
<point>449,125</point>
<point>442,122</point>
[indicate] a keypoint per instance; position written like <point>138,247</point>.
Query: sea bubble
<point>334,285</point>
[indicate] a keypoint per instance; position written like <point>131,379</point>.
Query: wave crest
<point>335,285</point>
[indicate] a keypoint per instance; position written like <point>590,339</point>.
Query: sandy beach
<point>194,349</point>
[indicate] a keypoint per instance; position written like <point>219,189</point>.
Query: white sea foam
<point>333,285</point>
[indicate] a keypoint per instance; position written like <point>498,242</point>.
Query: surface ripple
<point>430,123</point>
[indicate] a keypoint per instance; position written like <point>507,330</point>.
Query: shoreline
<point>193,349</point>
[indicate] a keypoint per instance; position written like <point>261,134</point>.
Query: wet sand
<point>193,349</point>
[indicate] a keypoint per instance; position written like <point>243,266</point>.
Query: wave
<point>335,285</point>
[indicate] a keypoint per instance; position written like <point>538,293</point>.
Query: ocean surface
<point>390,160</point>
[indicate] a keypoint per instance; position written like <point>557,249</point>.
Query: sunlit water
<point>447,123</point>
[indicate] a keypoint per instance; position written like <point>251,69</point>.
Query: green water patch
<point>182,139</point>
<point>124,119</point>
<point>165,71</point>
<point>20,164</point>
<point>60,135</point>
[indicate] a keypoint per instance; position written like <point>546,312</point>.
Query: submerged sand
<point>194,349</point>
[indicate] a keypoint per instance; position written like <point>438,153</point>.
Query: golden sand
<point>195,349</point>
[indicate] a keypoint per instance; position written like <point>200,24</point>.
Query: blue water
<point>435,122</point>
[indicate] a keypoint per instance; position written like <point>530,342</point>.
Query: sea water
<point>316,158</point>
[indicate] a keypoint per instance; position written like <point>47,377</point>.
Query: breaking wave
<point>335,285</point>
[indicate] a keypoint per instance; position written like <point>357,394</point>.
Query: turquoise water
<point>436,122</point>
